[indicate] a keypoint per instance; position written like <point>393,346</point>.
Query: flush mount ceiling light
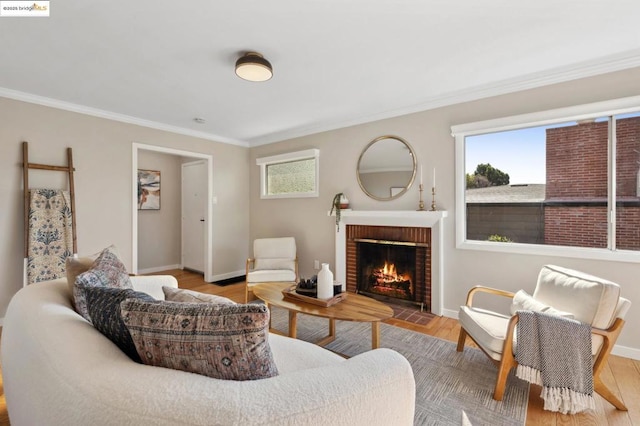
<point>253,66</point>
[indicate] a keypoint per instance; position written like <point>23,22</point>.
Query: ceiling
<point>336,62</point>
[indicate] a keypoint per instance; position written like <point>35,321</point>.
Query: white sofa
<point>59,370</point>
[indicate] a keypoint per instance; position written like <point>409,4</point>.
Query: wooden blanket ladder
<point>69,169</point>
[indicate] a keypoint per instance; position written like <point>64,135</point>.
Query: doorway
<point>194,203</point>
<point>206,197</point>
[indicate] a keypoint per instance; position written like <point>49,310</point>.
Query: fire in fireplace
<point>387,268</point>
<point>407,248</point>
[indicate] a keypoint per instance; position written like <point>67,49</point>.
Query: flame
<point>388,274</point>
<point>389,270</point>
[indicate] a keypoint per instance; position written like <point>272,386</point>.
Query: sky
<point>519,153</point>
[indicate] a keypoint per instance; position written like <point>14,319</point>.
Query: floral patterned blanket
<point>50,234</point>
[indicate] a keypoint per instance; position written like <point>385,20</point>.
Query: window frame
<point>289,157</point>
<point>543,118</point>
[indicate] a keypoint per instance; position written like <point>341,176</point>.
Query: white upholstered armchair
<point>274,260</point>
<point>560,291</point>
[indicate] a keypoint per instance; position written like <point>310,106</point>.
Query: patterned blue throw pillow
<point>106,271</point>
<point>103,304</point>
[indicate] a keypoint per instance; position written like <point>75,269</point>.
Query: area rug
<point>452,388</point>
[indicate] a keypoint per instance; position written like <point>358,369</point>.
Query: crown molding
<point>81,109</point>
<point>603,65</point>
<point>591,68</point>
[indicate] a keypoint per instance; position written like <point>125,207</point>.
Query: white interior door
<point>194,203</point>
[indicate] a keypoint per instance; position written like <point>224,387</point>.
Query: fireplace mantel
<point>422,219</point>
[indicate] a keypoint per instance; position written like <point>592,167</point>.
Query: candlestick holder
<point>420,203</point>
<point>433,198</point>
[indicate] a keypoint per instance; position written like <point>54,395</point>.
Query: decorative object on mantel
<point>420,189</point>
<point>344,202</point>
<point>433,192</point>
<point>433,199</point>
<point>420,202</point>
<point>340,202</point>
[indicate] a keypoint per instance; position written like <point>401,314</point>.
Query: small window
<point>291,175</point>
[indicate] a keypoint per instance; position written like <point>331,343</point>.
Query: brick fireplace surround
<point>396,219</point>
<point>422,278</point>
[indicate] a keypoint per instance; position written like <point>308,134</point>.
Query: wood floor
<point>622,375</point>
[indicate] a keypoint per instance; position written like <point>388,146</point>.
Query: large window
<point>564,182</point>
<point>289,175</point>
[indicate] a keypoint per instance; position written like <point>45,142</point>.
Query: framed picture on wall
<point>148,189</point>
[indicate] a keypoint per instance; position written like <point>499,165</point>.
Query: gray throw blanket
<point>555,353</point>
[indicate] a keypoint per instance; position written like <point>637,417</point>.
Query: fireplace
<point>402,225</point>
<point>390,263</point>
<point>386,268</point>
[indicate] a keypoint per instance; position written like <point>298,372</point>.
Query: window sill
<point>298,195</point>
<point>561,251</point>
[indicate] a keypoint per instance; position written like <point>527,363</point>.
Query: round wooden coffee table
<point>354,308</point>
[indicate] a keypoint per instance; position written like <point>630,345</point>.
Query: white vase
<point>325,282</point>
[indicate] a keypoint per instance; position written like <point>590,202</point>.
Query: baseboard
<point>228,275</point>
<point>450,313</point>
<point>618,350</point>
<point>158,269</point>
<point>232,280</point>
<point>626,352</point>
<point>218,277</point>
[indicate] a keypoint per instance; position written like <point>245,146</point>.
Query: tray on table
<point>291,294</point>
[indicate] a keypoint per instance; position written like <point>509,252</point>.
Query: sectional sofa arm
<point>489,290</point>
<point>152,284</point>
<point>373,388</point>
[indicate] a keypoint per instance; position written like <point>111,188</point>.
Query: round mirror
<point>386,168</point>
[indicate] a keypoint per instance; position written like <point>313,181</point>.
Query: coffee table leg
<point>329,337</point>
<point>293,324</point>
<point>332,328</point>
<point>375,334</point>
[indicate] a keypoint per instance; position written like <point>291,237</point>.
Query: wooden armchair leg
<point>507,362</point>
<point>604,392</point>
<point>501,382</point>
<point>462,337</point>
<point>610,337</point>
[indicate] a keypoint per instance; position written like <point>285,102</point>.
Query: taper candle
<point>434,177</point>
<point>421,175</point>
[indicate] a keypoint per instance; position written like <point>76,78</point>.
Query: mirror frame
<point>413,174</point>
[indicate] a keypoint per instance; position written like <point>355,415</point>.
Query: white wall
<point>102,151</point>
<point>429,134</point>
<point>159,231</point>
